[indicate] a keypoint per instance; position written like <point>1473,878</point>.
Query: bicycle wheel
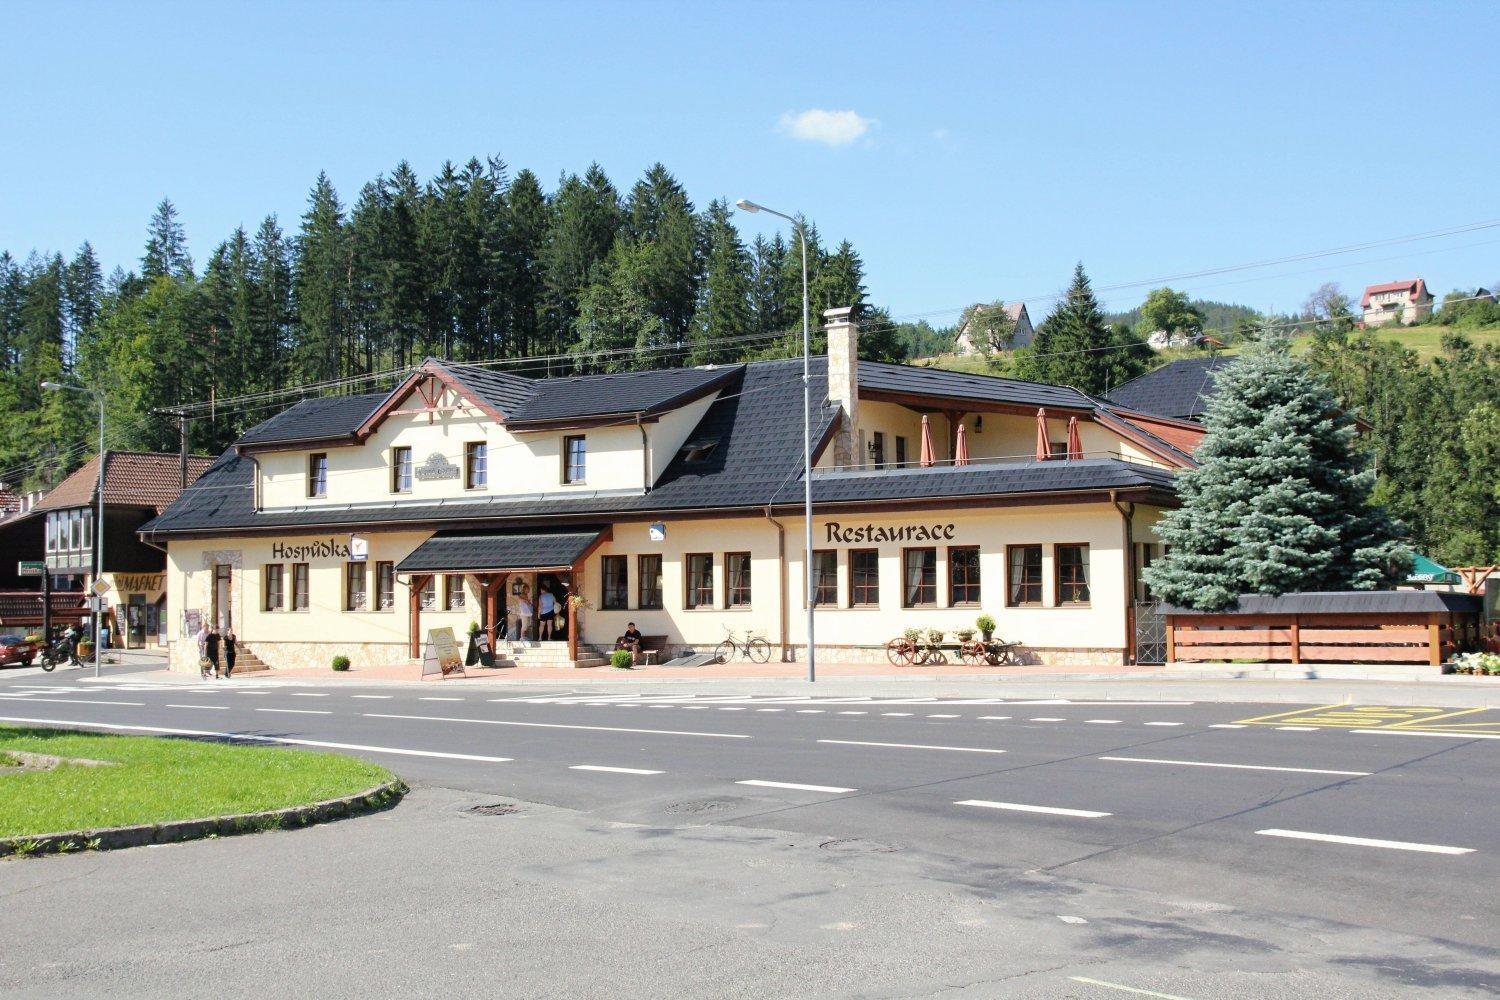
<point>901,651</point>
<point>725,652</point>
<point>759,649</point>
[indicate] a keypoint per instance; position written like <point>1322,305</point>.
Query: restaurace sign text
<point>881,533</point>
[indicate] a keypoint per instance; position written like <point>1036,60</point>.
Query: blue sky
<point>970,150</point>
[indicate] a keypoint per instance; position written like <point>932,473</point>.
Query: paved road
<point>1359,844</point>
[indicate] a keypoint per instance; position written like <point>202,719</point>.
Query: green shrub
<point>985,623</point>
<point>473,628</point>
<point>621,659</point>
<point>341,662</point>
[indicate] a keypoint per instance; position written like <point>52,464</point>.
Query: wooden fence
<point>19,608</point>
<point>1430,637</point>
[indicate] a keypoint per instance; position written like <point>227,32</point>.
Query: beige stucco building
<point>1401,302</point>
<point>673,499</point>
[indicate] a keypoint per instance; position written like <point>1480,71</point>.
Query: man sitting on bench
<point>631,640</point>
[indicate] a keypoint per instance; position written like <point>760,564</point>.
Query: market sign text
<point>882,533</point>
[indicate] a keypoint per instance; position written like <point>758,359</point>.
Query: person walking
<point>202,640</point>
<point>211,652</point>
<point>70,643</point>
<point>230,639</point>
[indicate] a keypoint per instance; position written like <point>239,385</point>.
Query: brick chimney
<point>843,383</point>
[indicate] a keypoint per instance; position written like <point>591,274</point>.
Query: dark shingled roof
<point>757,423</point>
<point>1178,389</point>
<point>315,419</point>
<point>943,384</point>
<point>617,395</point>
<point>1338,602</point>
<point>449,551</point>
<point>502,390</point>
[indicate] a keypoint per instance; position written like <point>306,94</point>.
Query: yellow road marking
<point>1359,716</point>
<point>1436,718</point>
<point>1295,711</point>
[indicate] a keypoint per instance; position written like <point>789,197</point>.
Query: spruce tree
<point>1075,347</point>
<point>586,219</point>
<point>1279,502</point>
<point>724,301</point>
<point>524,225</point>
<point>166,246</point>
<point>320,284</point>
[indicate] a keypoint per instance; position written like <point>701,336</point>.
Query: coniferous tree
<point>273,315</point>
<point>520,261</point>
<point>585,221</point>
<point>1075,347</point>
<point>166,246</point>
<point>83,295</point>
<point>725,308</point>
<point>1279,502</point>
<point>614,313</point>
<point>659,219</point>
<point>767,260</point>
<point>321,287</point>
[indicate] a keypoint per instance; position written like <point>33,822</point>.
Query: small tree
<point>1279,501</point>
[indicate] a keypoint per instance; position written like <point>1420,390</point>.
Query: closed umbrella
<point>927,455</point>
<point>961,447</point>
<point>1075,445</point>
<point>1043,448</point>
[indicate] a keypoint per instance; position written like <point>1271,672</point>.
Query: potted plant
<point>912,634</point>
<point>963,634</point>
<point>986,626</point>
<point>934,636</point>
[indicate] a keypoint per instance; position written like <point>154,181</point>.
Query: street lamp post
<point>746,205</point>
<point>99,521</point>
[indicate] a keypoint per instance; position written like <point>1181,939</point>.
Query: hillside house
<point>1402,302</point>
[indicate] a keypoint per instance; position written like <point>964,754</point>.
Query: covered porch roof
<point>503,551</point>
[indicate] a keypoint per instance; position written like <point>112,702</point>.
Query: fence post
<point>1296,639</point>
<point>1434,640</point>
<point>1171,639</point>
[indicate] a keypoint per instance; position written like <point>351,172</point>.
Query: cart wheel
<point>725,652</point>
<point>901,651</point>
<point>936,657</point>
<point>760,650</point>
<point>972,653</point>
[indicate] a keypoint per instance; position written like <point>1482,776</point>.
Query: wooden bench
<point>651,645</point>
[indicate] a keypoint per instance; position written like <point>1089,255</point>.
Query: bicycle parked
<point>752,647</point>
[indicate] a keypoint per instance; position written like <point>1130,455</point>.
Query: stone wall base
<point>182,654</point>
<point>1028,655</point>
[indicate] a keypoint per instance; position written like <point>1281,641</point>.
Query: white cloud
<point>831,128</point>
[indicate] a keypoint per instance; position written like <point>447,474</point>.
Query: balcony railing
<point>988,461</point>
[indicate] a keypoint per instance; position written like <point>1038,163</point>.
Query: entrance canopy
<point>1424,570</point>
<point>489,552</point>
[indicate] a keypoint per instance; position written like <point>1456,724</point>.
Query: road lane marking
<point>1423,732</point>
<point>1126,989</point>
<point>1102,722</point>
<point>612,770</point>
<point>931,716</point>
<point>895,713</point>
<point>217,708</point>
<point>435,697</point>
<point>997,718</point>
<point>297,711</point>
<point>1163,723</point>
<point>1046,718</point>
<point>909,746</point>
<point>382,696</point>
<point>1018,807</point>
<point>1349,716</point>
<point>74,701</point>
<point>809,711</point>
<point>795,787</point>
<point>1394,845</point>
<point>1226,725</point>
<point>729,708</point>
<point>244,691</point>
<point>309,694</point>
<point>854,713</point>
<point>770,710</point>
<point>1291,729</point>
<point>1239,767</point>
<point>554,725</point>
<point>254,738</point>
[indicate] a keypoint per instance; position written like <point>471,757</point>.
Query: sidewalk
<point>871,680</point>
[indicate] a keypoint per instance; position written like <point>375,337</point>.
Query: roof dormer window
<point>698,451</point>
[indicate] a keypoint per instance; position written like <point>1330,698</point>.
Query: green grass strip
<point>155,779</point>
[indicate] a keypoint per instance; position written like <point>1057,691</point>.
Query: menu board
<point>442,655</point>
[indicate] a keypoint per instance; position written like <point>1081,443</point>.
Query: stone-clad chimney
<point>843,382</point>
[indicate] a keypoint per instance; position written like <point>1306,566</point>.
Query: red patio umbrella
<point>927,455</point>
<point>961,447</point>
<point>1075,445</point>
<point>1043,448</point>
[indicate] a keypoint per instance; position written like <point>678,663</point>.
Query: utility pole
<point>182,447</point>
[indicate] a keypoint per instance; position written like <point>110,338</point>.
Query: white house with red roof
<point>1403,302</point>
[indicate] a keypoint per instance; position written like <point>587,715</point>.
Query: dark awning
<point>472,552</point>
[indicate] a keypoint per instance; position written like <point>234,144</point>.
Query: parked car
<point>16,649</point>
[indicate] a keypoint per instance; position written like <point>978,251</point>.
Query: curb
<point>382,796</point>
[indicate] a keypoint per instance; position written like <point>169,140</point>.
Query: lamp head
<point>53,386</point>
<point>746,205</point>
